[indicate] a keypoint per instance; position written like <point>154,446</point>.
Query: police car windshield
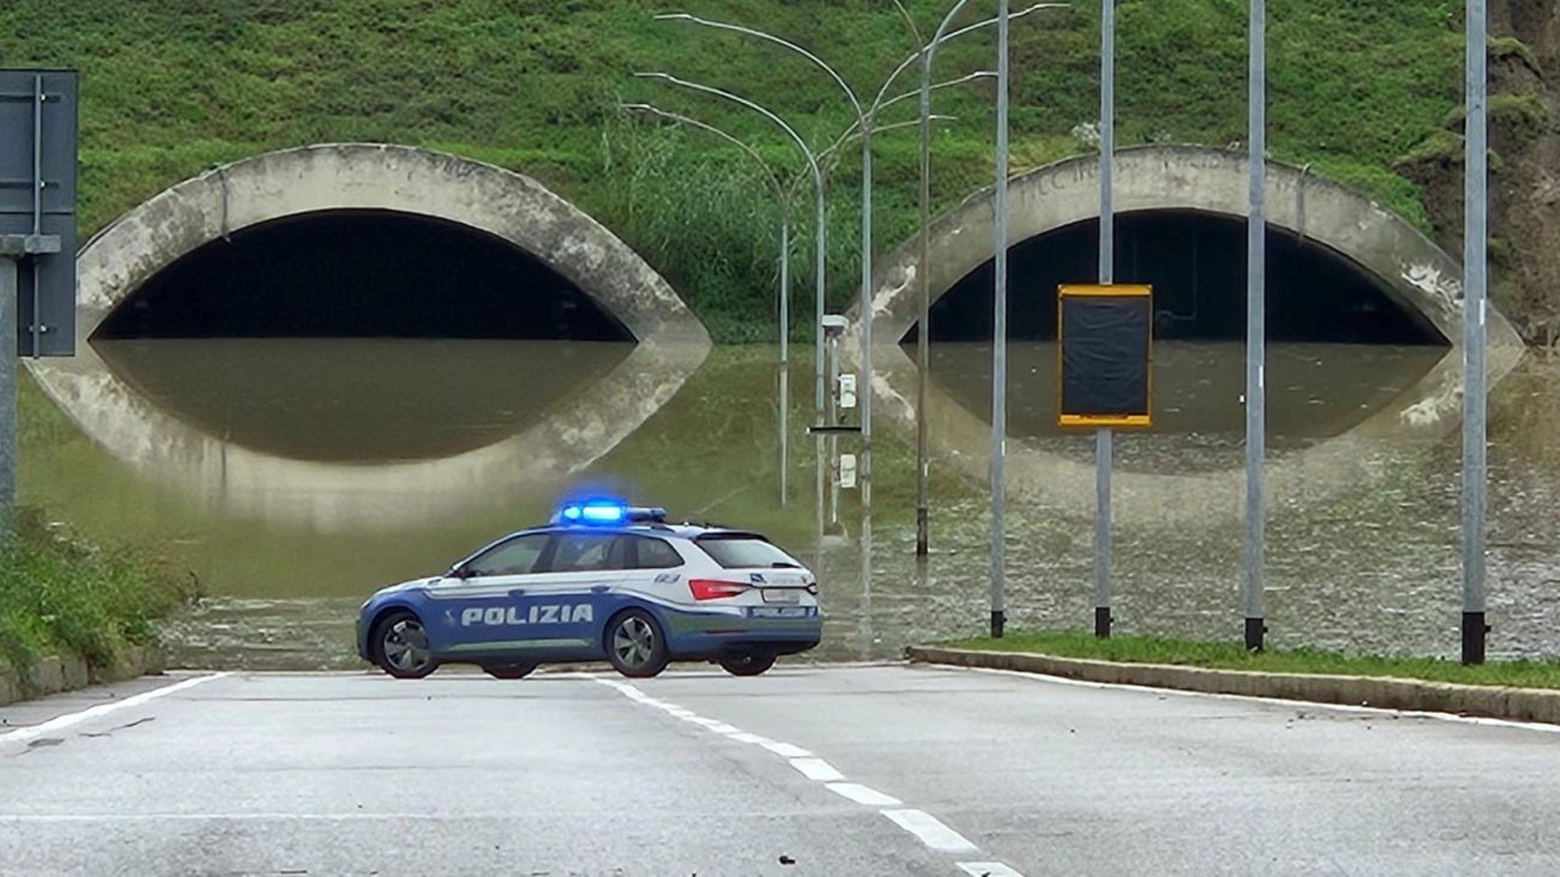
<point>742,550</point>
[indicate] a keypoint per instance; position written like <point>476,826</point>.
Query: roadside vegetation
<point>172,89</point>
<point>1233,656</point>
<point>59,593</point>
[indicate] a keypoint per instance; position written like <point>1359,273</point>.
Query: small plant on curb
<point>1233,656</point>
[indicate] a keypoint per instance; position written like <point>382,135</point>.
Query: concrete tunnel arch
<point>1410,268</point>
<point>388,179</point>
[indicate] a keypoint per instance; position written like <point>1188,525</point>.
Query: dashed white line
<point>864,794</point>
<point>925,827</point>
<point>817,769</point>
<point>930,831</point>
<point>786,750</point>
<point>988,869</point>
<point>69,719</point>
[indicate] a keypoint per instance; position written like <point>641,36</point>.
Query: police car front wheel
<point>635,645</point>
<point>401,645</point>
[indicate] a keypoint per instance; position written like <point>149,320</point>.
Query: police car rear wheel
<point>403,647</point>
<point>635,646</point>
<point>749,664</point>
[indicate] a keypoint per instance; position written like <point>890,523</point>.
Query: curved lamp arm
<point>812,159</point>
<point>774,182</point>
<point>737,28</point>
<point>904,65</point>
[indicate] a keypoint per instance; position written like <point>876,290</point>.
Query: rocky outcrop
<point>1525,168</point>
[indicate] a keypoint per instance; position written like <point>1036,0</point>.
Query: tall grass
<point>58,592</point>
<point>171,88</point>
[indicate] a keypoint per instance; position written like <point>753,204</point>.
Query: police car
<point>603,580</point>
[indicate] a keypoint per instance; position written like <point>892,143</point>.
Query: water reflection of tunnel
<point>362,274</point>
<point>1196,264</point>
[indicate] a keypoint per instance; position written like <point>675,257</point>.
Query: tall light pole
<point>1256,328</point>
<point>1103,442</point>
<point>926,55</point>
<point>999,340</point>
<point>864,477</point>
<point>1475,280</point>
<point>820,241</point>
<point>783,196</point>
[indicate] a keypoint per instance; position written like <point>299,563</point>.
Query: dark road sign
<point>38,204</point>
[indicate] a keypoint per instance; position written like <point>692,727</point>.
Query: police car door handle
<point>517,592</point>
<point>598,589</point>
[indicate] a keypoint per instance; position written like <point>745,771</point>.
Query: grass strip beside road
<point>59,594</point>
<point>1233,656</point>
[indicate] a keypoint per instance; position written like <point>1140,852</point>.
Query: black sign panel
<point>1105,348</point>
<point>38,202</point>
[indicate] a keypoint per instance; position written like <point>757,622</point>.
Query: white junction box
<point>847,473</point>
<point>847,391</point>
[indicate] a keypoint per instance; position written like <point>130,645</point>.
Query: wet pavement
<point>827,771</point>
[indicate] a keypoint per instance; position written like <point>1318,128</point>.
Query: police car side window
<point>655,554</point>
<point>518,556</point>
<point>585,552</point>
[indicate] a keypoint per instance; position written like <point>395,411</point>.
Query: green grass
<point>1232,656</point>
<point>170,89</point>
<point>59,593</point>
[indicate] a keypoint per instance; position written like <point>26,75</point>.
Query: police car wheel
<point>635,646</point>
<point>747,664</point>
<point>402,647</point>
<point>515,670</point>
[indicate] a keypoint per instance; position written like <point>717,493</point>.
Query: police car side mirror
<point>458,572</point>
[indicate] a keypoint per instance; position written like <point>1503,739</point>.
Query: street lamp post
<point>783,196</point>
<point>819,232</point>
<point>864,476</point>
<point>927,55</point>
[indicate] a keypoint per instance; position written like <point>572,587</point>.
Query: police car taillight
<point>714,589</point>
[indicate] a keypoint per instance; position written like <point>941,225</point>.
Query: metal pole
<point>1256,328</point>
<point>1103,438</point>
<point>820,245</point>
<point>785,347</point>
<point>1475,252</point>
<point>999,337</point>
<point>923,274</point>
<point>865,391</point>
<point>8,295</point>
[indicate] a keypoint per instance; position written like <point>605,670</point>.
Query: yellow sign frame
<point>1101,290</point>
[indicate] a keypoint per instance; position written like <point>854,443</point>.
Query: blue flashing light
<point>606,512</point>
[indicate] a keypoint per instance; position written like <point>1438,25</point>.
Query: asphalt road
<point>883,770</point>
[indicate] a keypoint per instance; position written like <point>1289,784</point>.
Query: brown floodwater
<point>1371,567</point>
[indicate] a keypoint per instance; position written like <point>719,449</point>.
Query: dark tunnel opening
<point>361,274</point>
<point>1196,263</point>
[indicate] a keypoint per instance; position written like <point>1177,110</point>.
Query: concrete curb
<point>1515,704</point>
<point>68,672</point>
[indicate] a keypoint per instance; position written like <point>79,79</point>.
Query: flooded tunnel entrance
<point>1196,263</point>
<point>1340,344</point>
<point>360,336</point>
<point>360,274</point>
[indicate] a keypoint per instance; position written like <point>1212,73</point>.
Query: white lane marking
<point>817,769</point>
<point>69,719</point>
<point>928,830</point>
<point>1341,707</point>
<point>988,869</point>
<point>863,794</point>
<point>786,750</point>
<point>926,827</point>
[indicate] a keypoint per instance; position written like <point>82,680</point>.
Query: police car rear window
<point>737,551</point>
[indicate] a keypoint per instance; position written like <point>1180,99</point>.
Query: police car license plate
<point>779,611</point>
<point>782,595</point>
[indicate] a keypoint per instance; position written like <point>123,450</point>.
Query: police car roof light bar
<point>606,513</point>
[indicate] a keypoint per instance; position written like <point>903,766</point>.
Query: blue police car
<point>603,580</point>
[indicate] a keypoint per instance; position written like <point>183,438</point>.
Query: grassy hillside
<point>171,88</point>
